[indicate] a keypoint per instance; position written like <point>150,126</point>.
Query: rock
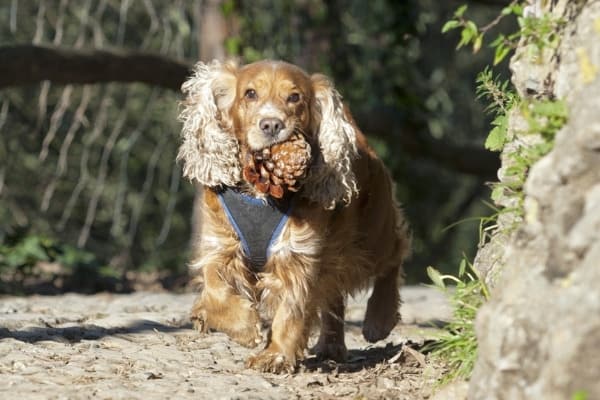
<point>453,391</point>
<point>539,336</point>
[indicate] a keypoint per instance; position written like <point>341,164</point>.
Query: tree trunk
<point>212,33</point>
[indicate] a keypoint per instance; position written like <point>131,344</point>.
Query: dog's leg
<point>331,345</point>
<point>220,307</point>
<point>288,339</point>
<point>290,328</point>
<point>382,309</point>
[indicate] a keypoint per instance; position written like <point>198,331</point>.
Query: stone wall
<point>539,335</point>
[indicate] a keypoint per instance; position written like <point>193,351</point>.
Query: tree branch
<point>27,64</point>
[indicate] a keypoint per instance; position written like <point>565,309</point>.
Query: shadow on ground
<point>75,334</point>
<point>358,360</point>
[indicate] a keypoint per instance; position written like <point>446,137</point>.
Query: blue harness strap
<point>257,223</point>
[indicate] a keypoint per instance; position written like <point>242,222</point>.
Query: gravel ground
<point>141,346</point>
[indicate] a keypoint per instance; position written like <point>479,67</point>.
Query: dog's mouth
<point>279,168</point>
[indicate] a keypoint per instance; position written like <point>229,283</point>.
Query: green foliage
<point>20,254</point>
<point>539,31</point>
<point>496,91</point>
<point>498,135</point>
<point>457,346</point>
<point>580,395</point>
<point>501,99</point>
<point>472,34</point>
<point>544,119</point>
<point>24,254</point>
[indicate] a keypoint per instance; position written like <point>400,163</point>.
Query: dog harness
<point>257,223</point>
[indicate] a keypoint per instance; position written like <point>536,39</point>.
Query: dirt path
<point>141,346</point>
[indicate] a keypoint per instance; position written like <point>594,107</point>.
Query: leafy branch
<point>472,34</point>
<point>539,31</point>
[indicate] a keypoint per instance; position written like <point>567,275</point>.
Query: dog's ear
<point>331,180</point>
<point>210,151</point>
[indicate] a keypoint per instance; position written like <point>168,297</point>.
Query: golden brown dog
<point>343,231</point>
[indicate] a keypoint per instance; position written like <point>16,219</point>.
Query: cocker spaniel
<point>297,212</point>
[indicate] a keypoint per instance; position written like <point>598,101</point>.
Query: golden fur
<point>345,230</point>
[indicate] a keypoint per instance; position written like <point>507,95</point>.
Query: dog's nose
<point>271,126</point>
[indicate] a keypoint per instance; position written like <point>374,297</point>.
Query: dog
<point>340,231</point>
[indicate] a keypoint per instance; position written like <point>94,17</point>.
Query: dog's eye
<point>293,98</point>
<point>250,94</point>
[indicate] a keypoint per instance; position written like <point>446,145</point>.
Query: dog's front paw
<point>199,319</point>
<point>242,323</point>
<point>378,325</point>
<point>250,336</point>
<point>269,361</point>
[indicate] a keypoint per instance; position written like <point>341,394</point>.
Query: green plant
<point>21,252</point>
<point>24,253</point>
<point>457,346</point>
<point>538,31</point>
<point>501,99</point>
<point>580,395</point>
<point>544,119</point>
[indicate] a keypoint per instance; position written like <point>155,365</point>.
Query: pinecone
<point>280,167</point>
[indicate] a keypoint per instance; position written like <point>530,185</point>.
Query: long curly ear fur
<point>209,150</point>
<point>331,180</point>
